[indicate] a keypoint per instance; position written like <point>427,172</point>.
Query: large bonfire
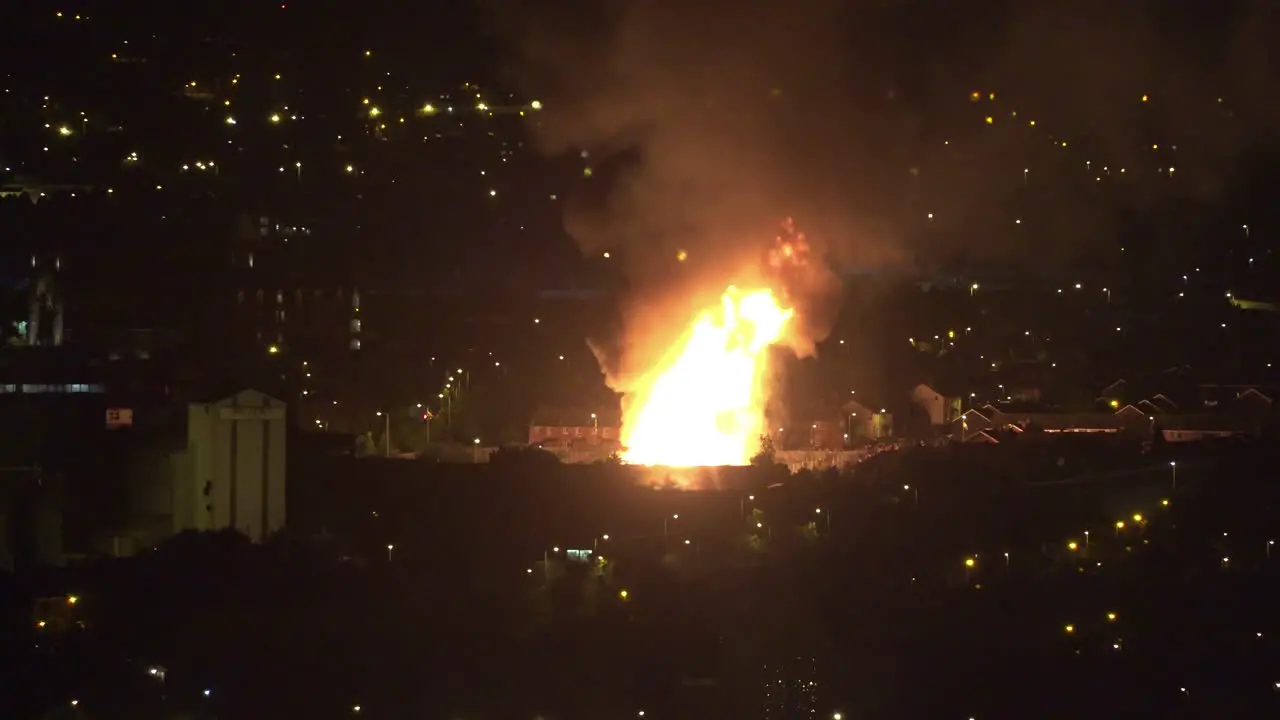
<point>703,403</point>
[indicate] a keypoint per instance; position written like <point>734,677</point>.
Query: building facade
<point>232,473</point>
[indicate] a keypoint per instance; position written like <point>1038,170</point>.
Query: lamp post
<point>386,433</point>
<point>595,422</point>
<point>827,515</point>
<point>390,548</point>
<point>742,509</point>
<point>447,397</point>
<point>665,527</point>
<point>915,491</point>
<point>1173,467</point>
<point>475,452</point>
<point>546,563</point>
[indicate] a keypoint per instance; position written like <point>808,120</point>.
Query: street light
<point>390,547</point>
<point>664,523</point>
<point>1173,468</point>
<point>386,433</point>
<point>475,452</point>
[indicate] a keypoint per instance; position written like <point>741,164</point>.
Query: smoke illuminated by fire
<point>703,403</point>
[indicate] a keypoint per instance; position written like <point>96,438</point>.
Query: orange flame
<point>704,403</point>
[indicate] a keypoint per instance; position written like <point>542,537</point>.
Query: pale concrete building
<point>232,472</point>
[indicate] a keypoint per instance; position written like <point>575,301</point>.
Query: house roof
<point>982,436</point>
<point>1116,386</point>
<point>853,406</point>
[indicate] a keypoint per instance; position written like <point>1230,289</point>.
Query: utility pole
<point>386,433</point>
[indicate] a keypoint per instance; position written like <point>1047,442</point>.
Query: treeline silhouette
<point>528,589</point>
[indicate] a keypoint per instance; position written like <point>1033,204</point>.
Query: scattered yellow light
<point>275,118</point>
<point>1144,98</point>
<point>1165,502</point>
<point>969,562</point>
<point>975,96</point>
<point>681,256</point>
<point>273,349</point>
<point>428,109</point>
<point>1111,617</point>
<point>1119,524</point>
<point>41,624</point>
<point>368,53</point>
<point>374,112</point>
<point>1137,517</point>
<point>990,120</point>
<point>64,131</point>
<point>1070,629</point>
<point>536,104</point>
<point>1073,546</point>
<point>623,594</point>
<point>72,599</point>
<point>1114,404</point>
<point>991,96</point>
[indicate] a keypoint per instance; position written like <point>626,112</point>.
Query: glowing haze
<point>704,402</point>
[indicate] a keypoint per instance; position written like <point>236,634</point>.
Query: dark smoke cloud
<point>705,98</point>
<point>725,116</point>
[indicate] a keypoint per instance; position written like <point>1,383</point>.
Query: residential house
<point>827,435</point>
<point>573,426</point>
<point>1252,403</point>
<point>1201,426</point>
<point>941,408</point>
<point>971,422</point>
<point>982,437</point>
<point>861,422</point>
<point>1247,416</point>
<point>1115,395</point>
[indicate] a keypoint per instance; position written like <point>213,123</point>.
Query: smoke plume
<point>708,121</point>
